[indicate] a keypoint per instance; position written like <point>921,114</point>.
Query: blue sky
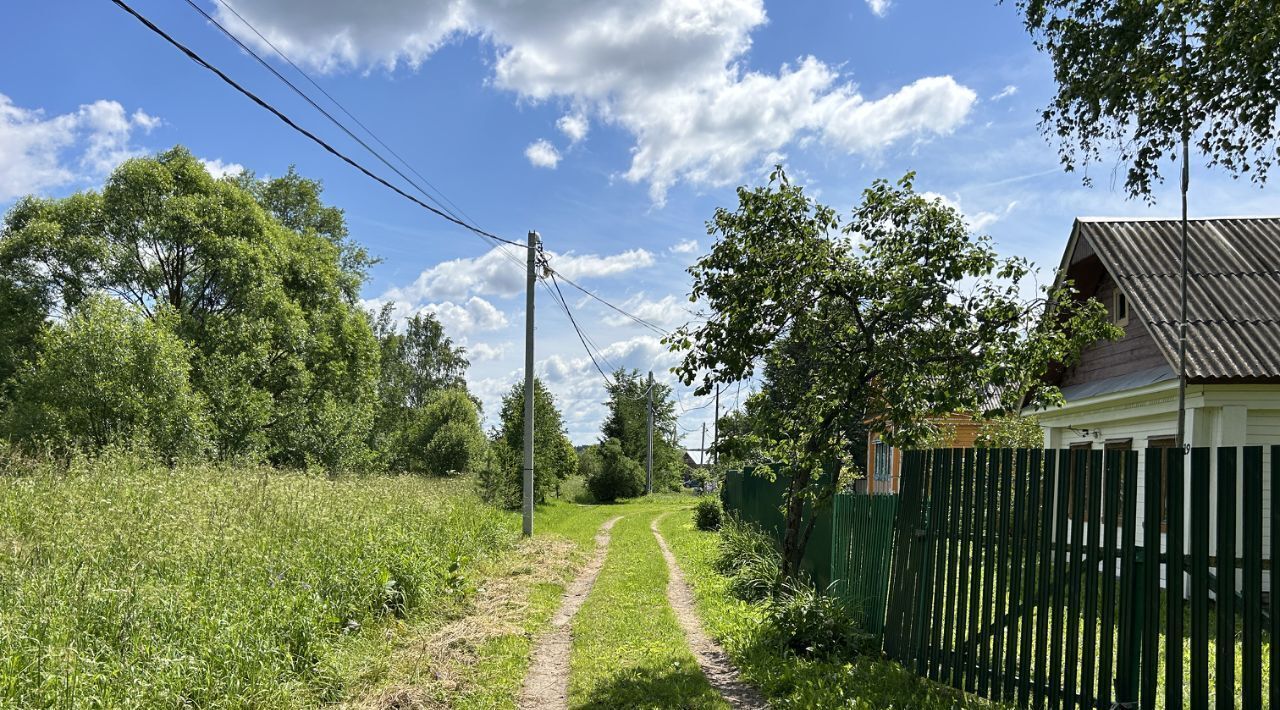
<point>614,128</point>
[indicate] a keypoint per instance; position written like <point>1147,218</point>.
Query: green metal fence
<point>1018,575</point>
<point>861,547</point>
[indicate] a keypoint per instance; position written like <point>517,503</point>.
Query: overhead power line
<point>646,323</point>
<point>191,54</point>
<point>456,209</point>
<point>440,209</point>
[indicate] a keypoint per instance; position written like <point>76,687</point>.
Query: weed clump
<point>800,619</point>
<point>708,515</point>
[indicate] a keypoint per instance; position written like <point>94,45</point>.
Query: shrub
<point>750,559</point>
<point>618,477</point>
<point>708,514</point>
<point>445,436</point>
<point>810,623</point>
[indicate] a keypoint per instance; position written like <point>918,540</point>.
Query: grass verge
<point>787,680</point>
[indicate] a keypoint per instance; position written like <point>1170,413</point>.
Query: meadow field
<point>127,583</point>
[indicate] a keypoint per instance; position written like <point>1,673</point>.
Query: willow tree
<point>898,315</point>
<point>1152,80</point>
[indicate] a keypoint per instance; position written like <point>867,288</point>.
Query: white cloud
<point>977,221</point>
<point>669,72</point>
<point>39,153</point>
<point>475,314</point>
<point>879,8</point>
<point>542,154</point>
<point>688,246</point>
<point>219,169</point>
<point>574,126</point>
<point>486,352</point>
<point>577,266</point>
<point>930,106</point>
<point>1005,93</point>
<point>501,272</point>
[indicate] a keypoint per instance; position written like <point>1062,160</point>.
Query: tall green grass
<point>124,583</point>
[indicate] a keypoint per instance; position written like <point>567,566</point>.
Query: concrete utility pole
<point>702,452</point>
<point>530,282</point>
<point>648,488</point>
<point>715,428</point>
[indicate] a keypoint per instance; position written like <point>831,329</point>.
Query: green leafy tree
<point>896,316</point>
<point>1010,431</point>
<point>107,375</point>
<point>618,475</point>
<point>554,458</point>
<point>445,435</point>
<point>627,421</point>
<point>281,351</point>
<point>1138,76</point>
<point>416,363</point>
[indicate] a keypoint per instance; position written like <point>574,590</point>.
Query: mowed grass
<point>127,584</point>
<point>785,679</point>
<point>629,651</point>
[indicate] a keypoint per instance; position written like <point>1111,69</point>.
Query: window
<point>1164,444</point>
<point>884,461</point>
<point>1119,308</point>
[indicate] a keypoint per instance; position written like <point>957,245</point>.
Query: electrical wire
<point>439,210</point>
<point>327,95</point>
<point>191,54</point>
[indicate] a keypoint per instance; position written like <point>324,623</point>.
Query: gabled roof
<point>1233,288</point>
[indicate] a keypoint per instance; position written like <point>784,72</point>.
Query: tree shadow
<point>675,687</point>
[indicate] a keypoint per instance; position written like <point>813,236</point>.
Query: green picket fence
<point>1017,575</point>
<point>861,547</point>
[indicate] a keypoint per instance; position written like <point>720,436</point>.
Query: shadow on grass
<point>646,688</point>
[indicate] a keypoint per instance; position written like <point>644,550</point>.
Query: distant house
<point>1124,394</point>
<point>884,462</point>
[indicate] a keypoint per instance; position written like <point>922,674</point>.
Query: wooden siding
<point>1135,352</point>
<point>964,430</point>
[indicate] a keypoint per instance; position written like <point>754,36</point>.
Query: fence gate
<point>1036,578</point>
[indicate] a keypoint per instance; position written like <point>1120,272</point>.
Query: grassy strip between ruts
<point>787,680</point>
<point>629,650</point>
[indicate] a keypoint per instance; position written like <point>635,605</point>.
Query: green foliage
<point>258,278</point>
<point>554,459</point>
<point>1010,432</point>
<point>618,476</point>
<point>810,623</point>
<point>749,559</point>
<point>898,315</point>
<point>415,365</point>
<point>129,584</point>
<point>1134,77</point>
<point>708,515</point>
<point>627,422</point>
<point>444,435</point>
<point>109,376</point>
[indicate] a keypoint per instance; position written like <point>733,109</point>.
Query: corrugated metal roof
<point>1233,288</point>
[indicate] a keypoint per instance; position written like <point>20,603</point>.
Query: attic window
<point>1120,309</point>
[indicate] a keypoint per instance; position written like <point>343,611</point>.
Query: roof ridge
<point>1223,218</point>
